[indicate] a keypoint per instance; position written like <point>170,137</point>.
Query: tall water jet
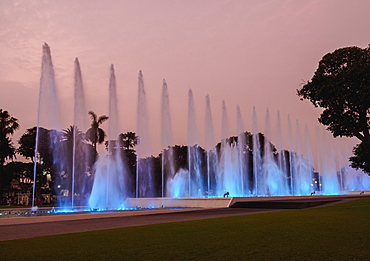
<point>282,157</point>
<point>309,159</point>
<point>225,123</point>
<point>349,177</point>
<point>257,162</point>
<point>318,158</point>
<point>268,167</point>
<point>80,169</point>
<point>303,170</point>
<point>117,170</point>
<point>221,189</point>
<point>229,171</point>
<point>352,179</point>
<point>243,154</point>
<point>340,160</point>
<point>49,117</point>
<point>210,148</point>
<point>109,189</point>
<point>168,166</point>
<point>144,164</point>
<point>195,181</point>
<point>291,157</point>
<point>272,175</point>
<point>330,180</point>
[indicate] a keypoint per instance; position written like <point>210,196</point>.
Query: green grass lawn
<point>337,232</point>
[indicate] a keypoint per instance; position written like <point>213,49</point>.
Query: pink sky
<point>248,53</point>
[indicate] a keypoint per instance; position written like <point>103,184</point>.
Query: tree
<point>21,172</point>
<point>129,140</point>
<point>7,150</point>
<point>341,86</point>
<point>70,133</point>
<point>27,144</point>
<point>8,125</point>
<point>125,144</point>
<point>361,157</point>
<point>95,134</point>
<point>80,157</point>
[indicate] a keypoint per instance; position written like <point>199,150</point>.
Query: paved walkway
<point>28,227</point>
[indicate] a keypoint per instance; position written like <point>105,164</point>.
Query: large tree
<point>341,86</point>
<point>8,125</point>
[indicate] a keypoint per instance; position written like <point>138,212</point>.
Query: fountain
<point>49,117</point>
<point>228,176</point>
<point>109,170</point>
<point>247,164</point>
<point>195,178</point>
<point>167,163</point>
<point>210,149</point>
<point>80,160</point>
<point>242,152</point>
<point>144,164</point>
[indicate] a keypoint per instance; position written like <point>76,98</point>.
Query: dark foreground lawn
<point>337,232</point>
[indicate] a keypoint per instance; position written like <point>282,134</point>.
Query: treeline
<point>65,159</point>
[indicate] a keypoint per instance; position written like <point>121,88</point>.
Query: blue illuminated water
<point>246,164</point>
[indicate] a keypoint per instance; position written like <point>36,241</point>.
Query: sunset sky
<point>248,53</point>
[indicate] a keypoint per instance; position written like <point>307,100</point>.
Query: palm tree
<point>8,125</point>
<point>69,134</point>
<point>95,134</point>
<point>72,140</point>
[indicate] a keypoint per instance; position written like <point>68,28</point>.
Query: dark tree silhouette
<point>341,86</point>
<point>21,172</point>
<point>27,144</point>
<point>8,125</point>
<point>95,134</point>
<point>128,140</point>
<point>70,133</point>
